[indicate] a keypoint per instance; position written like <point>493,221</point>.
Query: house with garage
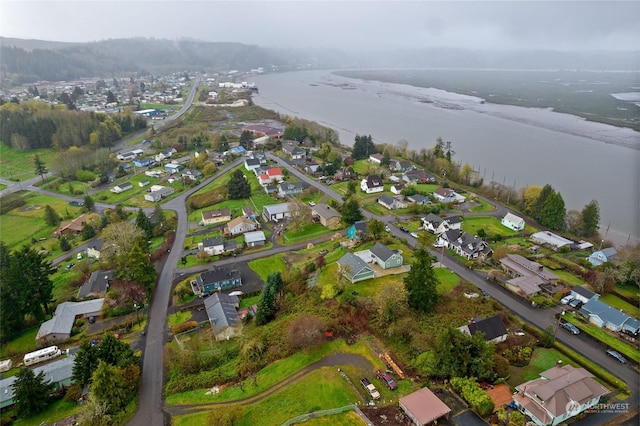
<point>397,188</point>
<point>392,203</point>
<point>424,408</point>
<point>603,315</point>
<point>345,173</point>
<point>290,189</point>
<point>144,162</point>
<point>255,239</point>
<point>277,212</point>
<point>292,149</point>
<point>97,284</point>
<point>272,175</point>
<point>418,176</point>
<point>239,226</point>
<point>326,215</point>
<point>58,328</point>
<point>214,246</point>
<point>448,195</point>
<point>158,193</point>
<point>384,257</point>
<point>121,187</point>
<point>400,166</point>
<point>599,257</point>
<point>376,158</point>
<point>437,225</point>
<point>372,184</point>
<point>222,312</point>
<point>354,268</point>
<point>583,294</point>
<point>465,245</point>
<point>358,230</point>
<point>167,153</point>
<point>525,276</point>
<point>73,227</point>
<point>419,199</point>
<point>211,217</point>
<point>173,168</point>
<point>192,174</point>
<point>238,150</point>
<point>251,164</point>
<point>560,393</point>
<point>493,329</point>
<point>513,222</point>
<point>217,279</point>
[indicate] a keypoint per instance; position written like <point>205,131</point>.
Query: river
<point>513,145</point>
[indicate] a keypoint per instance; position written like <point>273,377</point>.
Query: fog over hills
<point>25,61</point>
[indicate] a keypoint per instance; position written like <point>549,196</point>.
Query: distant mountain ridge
<point>27,61</point>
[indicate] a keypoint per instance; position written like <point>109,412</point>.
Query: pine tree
<point>268,302</point>
<point>84,364</point>
<point>40,167</point>
<point>590,218</point>
<point>51,218</point>
<point>351,211</point>
<point>421,282</point>
<point>143,223</point>
<point>238,187</point>
<point>553,212</point>
<point>31,392</point>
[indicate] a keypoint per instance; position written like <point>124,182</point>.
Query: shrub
<point>85,175</point>
<point>10,202</point>
<point>74,392</point>
<point>185,326</point>
<point>479,400</point>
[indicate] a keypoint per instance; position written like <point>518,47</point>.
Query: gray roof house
<point>392,203</point>
<point>276,212</point>
<point>354,268</point>
<point>599,257</point>
<point>438,225</point>
<point>288,189</point>
<point>465,245</point>
<point>98,283</point>
<point>603,315</point>
<point>526,276</point>
<point>57,372</point>
<point>418,199</point>
<point>493,328</point>
<point>255,238</point>
<point>223,315</point>
<point>384,257</point>
<point>326,215</point>
<point>58,328</point>
<point>583,294</point>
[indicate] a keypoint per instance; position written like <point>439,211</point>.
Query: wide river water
<point>513,145</point>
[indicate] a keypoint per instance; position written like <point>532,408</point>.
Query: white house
<point>513,222</point>
<point>372,184</point>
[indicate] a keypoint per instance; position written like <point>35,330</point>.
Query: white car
<point>387,229</point>
<point>312,204</point>
<point>565,300</point>
<point>414,235</point>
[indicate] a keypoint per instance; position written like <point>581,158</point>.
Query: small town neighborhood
<point>269,247</point>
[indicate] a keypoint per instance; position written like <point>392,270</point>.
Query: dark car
<point>391,384</point>
<point>570,328</point>
<point>403,229</point>
<point>617,356</point>
<point>575,304</point>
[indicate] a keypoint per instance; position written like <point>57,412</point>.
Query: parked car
<point>570,328</point>
<point>391,384</point>
<point>79,256</point>
<point>370,388</point>
<point>69,266</point>
<point>414,235</point>
<point>403,229</point>
<point>575,304</point>
<point>387,229</point>
<point>617,356</point>
<point>565,300</point>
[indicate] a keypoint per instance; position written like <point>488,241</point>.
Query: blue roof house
<point>603,315</point>
<point>361,226</point>
<point>599,257</point>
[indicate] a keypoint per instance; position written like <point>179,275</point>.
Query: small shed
<point>423,407</point>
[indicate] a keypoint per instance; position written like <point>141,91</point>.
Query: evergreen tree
<point>238,187</point>
<point>246,139</point>
<point>51,218</point>
<point>421,282</point>
<point>64,244</point>
<point>351,212</point>
<point>31,392</point>
<point>143,223</point>
<point>553,212</point>
<point>363,147</point>
<point>116,352</point>
<point>12,295</point>
<point>111,98</point>
<point>135,265</point>
<point>40,167</point>
<point>87,232</point>
<point>109,386</point>
<point>591,219</point>
<point>35,272</point>
<point>386,158</point>
<point>85,363</point>
<point>267,304</point>
<point>88,204</point>
<point>537,206</point>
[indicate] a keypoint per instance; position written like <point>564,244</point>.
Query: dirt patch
<point>30,207</point>
<point>387,416</point>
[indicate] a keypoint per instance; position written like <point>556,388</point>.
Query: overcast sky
<point>367,25</point>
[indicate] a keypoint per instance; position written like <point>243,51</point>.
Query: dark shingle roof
<point>491,327</point>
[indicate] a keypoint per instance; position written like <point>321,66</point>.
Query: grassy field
<point>16,164</point>
<point>26,342</point>
<point>308,232</point>
<point>57,411</point>
<point>541,360</point>
<point>483,207</point>
<point>490,224</point>
<point>264,267</point>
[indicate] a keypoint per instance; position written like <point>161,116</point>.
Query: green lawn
<point>59,410</point>
<point>483,207</point>
<point>568,277</point>
<point>542,359</point>
<point>16,164</point>
<point>264,267</point>
<point>22,344</point>
<point>490,224</point>
<point>628,291</point>
<point>308,232</point>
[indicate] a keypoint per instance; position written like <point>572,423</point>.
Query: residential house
<point>158,193</point>
<point>357,230</point>
<point>293,150</point>
<point>251,164</point>
<point>397,188</point>
<point>58,328</point>
<point>418,176</point>
<point>167,153</point>
<point>121,187</point>
<point>437,225</point>
<point>94,248</point>
<point>448,195</point>
<point>238,150</point>
<point>261,157</point>
<point>401,166</point>
<point>255,239</point>
<point>217,279</point>
<point>418,199</point>
<point>603,315</point>
<point>392,203</point>
<point>384,257</point>
<point>376,158</point>
<point>558,394</point>
<point>326,215</point>
<point>465,245</point>
<point>493,329</point>
<point>173,168</point>
<point>271,175</point>
<point>513,222</point>
<point>424,408</point>
<point>354,268</point>
<point>289,189</point>
<point>217,245</point>
<point>239,225</point>
<point>550,239</point>
<point>260,130</point>
<point>73,227</point>
<point>526,276</point>
<point>143,183</point>
<point>270,188</point>
<point>144,162</point>
<point>211,217</point>
<point>599,257</point>
<point>583,294</point>
<point>276,212</point>
<point>191,174</point>
<point>96,284</point>
<point>249,213</point>
<point>372,184</point>
<point>312,169</point>
<point>223,315</point>
<point>345,173</point>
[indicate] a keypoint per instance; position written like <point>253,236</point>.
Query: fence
<point>322,413</point>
